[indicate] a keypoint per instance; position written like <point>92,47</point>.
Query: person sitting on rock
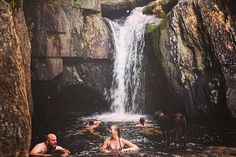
<point>49,148</point>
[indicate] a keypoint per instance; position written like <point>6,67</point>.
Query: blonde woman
<point>115,143</point>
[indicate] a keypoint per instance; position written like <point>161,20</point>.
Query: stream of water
<point>127,88</point>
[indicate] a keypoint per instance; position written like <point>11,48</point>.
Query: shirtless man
<point>47,147</point>
<point>117,144</point>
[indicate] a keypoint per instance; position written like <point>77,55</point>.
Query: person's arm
<point>97,123</point>
<point>65,152</point>
<point>131,147</point>
<point>38,151</point>
<point>138,125</point>
<point>104,146</point>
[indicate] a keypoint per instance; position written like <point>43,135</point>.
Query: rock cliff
<point>71,46</point>
<point>15,93</point>
<point>195,44</point>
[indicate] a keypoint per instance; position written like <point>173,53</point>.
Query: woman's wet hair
<point>118,132</point>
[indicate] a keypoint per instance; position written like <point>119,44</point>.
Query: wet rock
<point>216,151</point>
<point>46,69</point>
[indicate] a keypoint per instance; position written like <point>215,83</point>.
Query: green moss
<point>97,24</point>
<point>151,28</point>
<point>86,40</point>
<point>76,5</point>
<point>155,32</point>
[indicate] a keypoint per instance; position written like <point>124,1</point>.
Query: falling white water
<point>127,88</point>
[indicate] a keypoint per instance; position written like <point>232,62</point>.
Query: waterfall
<point>127,91</point>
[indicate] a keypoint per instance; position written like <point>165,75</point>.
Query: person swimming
<point>89,127</point>
<point>143,123</point>
<point>115,143</point>
<point>49,147</point>
<point>92,124</point>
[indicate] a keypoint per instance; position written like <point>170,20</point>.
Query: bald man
<point>49,147</point>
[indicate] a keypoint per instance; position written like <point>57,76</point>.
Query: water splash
<point>116,117</point>
<point>127,88</point>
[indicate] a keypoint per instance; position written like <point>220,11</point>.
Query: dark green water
<point>68,130</point>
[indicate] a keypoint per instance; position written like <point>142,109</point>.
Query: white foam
<point>116,117</point>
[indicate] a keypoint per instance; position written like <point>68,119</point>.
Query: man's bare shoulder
<point>41,145</point>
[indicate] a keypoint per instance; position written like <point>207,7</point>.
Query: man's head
<point>51,141</point>
<point>91,122</point>
<point>142,120</point>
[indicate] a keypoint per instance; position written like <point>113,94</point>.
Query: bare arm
<point>65,152</point>
<point>131,147</point>
<point>104,147</point>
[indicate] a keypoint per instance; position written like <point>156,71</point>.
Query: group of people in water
<point>113,143</point>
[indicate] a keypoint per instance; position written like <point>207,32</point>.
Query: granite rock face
<point>196,46</point>
<point>15,88</point>
<point>71,46</point>
<point>118,8</point>
<point>64,30</point>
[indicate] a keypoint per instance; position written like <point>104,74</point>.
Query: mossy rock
<point>154,32</point>
<point>160,8</point>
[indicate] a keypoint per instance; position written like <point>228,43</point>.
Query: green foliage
<point>76,4</point>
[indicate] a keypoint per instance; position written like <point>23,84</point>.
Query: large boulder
<point>15,93</point>
<point>195,45</point>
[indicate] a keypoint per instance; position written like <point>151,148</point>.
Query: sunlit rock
<point>15,88</point>
<point>195,47</point>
